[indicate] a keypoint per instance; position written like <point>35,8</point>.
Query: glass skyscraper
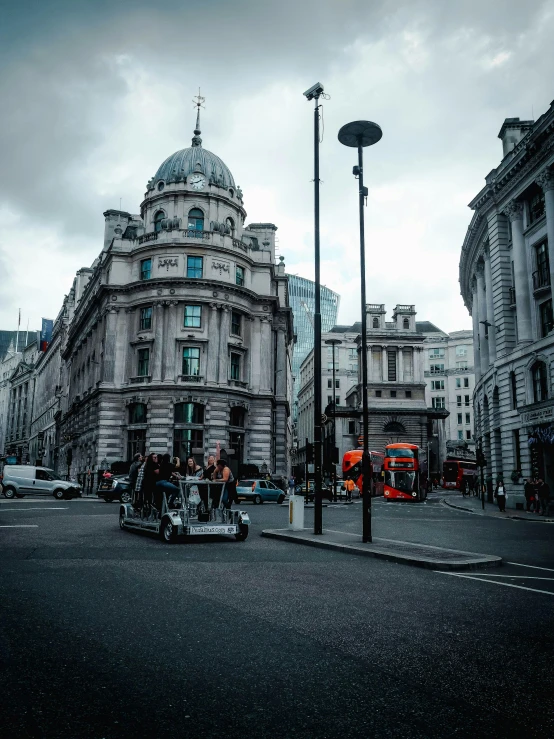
<point>302,302</point>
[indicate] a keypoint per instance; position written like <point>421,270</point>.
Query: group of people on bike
<point>155,474</point>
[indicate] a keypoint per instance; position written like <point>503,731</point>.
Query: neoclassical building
<point>506,277</point>
<point>179,337</point>
<point>396,389</point>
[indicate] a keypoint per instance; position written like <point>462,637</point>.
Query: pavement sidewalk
<point>402,552</point>
<point>474,505</point>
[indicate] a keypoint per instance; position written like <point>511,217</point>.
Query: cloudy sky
<point>96,94</point>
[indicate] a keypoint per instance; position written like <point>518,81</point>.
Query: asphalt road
<point>109,634</point>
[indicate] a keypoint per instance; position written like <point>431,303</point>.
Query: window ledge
<point>238,383</point>
<point>140,378</point>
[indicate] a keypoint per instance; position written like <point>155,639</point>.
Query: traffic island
<point>401,552</point>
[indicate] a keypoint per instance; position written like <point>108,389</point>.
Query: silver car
<point>19,480</point>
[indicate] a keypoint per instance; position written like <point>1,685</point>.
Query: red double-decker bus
<point>455,470</point>
<point>352,467</point>
<point>403,473</point>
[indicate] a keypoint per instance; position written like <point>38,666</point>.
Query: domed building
<point>179,337</point>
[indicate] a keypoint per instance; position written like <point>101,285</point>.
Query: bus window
<point>405,453</point>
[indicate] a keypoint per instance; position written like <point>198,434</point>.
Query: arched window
<point>375,322</point>
<point>189,413</point>
<point>540,382</point>
<point>406,323</point>
<point>137,413</point>
<point>394,427</point>
<point>231,226</point>
<point>196,220</point>
<point>237,416</point>
<point>158,218</point>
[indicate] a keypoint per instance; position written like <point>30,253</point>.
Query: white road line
<point>34,509</point>
<point>531,567</point>
<point>516,577</point>
<point>21,526</point>
<point>494,582</point>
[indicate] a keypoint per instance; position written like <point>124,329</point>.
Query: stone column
<point>224,327</point>
<point>170,337</point>
<point>255,353</point>
<point>213,345</point>
<point>546,181</point>
<point>369,363</point>
<point>482,302</point>
<point>158,342</point>
<point>384,362</point>
<point>400,364</point>
<point>108,373</point>
<point>490,309</point>
<point>475,319</point>
<point>266,352</point>
<point>122,346</point>
<point>281,361</point>
<point>523,299</point>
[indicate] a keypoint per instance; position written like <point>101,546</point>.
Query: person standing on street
<point>529,491</point>
<point>349,487</point>
<point>544,497</point>
<point>292,485</point>
<point>463,487</point>
<point>133,471</point>
<point>500,495</point>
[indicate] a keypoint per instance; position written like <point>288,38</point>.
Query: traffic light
<point>481,461</point>
<point>309,452</point>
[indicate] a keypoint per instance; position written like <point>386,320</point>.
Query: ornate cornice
<point>546,180</point>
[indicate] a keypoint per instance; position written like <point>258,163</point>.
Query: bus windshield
<point>405,482</point>
<point>407,453</point>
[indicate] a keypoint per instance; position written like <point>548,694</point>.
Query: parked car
<point>115,488</point>
<point>259,491</point>
<point>327,491</point>
<point>19,480</point>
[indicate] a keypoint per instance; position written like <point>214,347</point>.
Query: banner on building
<point>46,334</point>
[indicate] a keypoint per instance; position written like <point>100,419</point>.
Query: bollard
<point>296,512</point>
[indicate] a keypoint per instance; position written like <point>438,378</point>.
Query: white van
<point>19,480</point>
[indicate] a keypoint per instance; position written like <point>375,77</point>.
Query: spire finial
<point>198,103</point>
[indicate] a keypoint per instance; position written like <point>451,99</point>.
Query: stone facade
<point>506,274</point>
<point>179,337</point>
<point>450,381</point>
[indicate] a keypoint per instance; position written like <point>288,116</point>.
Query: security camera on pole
<point>314,93</point>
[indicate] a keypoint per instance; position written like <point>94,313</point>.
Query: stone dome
<point>194,159</point>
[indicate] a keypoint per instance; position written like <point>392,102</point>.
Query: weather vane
<point>198,101</point>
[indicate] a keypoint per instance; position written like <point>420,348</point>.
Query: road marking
<point>532,567</point>
<point>495,582</point>
<point>21,526</point>
<point>35,509</point>
<point>516,577</point>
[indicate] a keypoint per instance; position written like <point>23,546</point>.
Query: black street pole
<point>314,94</point>
<point>366,460</point>
<point>359,134</point>
<point>334,343</point>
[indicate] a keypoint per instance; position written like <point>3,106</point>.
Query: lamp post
<point>334,343</point>
<point>359,134</point>
<point>314,93</point>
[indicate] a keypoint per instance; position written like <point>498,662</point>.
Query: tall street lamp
<point>314,93</point>
<point>334,343</point>
<point>357,135</point>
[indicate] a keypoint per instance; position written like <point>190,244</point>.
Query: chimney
<point>511,133</point>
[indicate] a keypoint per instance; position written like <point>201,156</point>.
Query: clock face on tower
<point>197,181</point>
